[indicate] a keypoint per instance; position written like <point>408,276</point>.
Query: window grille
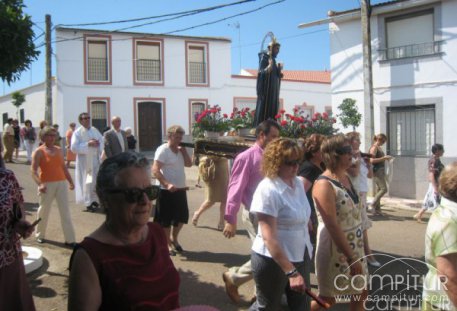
<point>98,115</point>
<point>411,130</point>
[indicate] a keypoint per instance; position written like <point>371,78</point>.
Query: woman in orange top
<point>70,155</point>
<point>49,172</point>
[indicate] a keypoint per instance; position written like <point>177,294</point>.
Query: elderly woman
<point>282,249</point>
<point>14,288</point>
<point>340,263</point>
<point>124,264</point>
<point>50,174</point>
<point>440,284</point>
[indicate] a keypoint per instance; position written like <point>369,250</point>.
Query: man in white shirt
<point>87,144</point>
<point>115,139</point>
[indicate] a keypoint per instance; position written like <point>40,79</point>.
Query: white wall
<point>414,80</point>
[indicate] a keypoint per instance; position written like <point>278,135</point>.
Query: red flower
<point>225,115</point>
<point>295,109</point>
<point>283,123</point>
<point>278,116</point>
<point>243,114</point>
<point>325,115</point>
<point>282,111</point>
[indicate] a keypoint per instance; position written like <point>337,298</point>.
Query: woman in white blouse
<point>282,249</point>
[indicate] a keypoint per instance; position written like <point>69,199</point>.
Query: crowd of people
<point>300,203</point>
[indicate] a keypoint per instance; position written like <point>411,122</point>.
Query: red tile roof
<point>300,75</point>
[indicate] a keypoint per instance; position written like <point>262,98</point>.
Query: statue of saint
<point>268,84</point>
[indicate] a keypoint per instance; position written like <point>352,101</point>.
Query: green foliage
<point>297,125</point>
<point>350,115</point>
<point>17,50</point>
<point>17,99</point>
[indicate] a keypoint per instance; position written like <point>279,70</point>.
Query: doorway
<point>149,125</point>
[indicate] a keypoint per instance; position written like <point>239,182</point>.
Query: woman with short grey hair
<point>124,264</point>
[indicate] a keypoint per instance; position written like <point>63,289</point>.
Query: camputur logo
<point>397,285</point>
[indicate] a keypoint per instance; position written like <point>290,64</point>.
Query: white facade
<point>414,82</point>
<point>149,107</point>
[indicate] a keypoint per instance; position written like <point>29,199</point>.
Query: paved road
<point>208,254</point>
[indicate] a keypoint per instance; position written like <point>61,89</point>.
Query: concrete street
<point>208,254</point>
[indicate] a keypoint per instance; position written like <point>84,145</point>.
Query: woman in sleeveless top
<point>341,267</point>
<point>379,173</point>
<point>124,264</point>
<point>50,173</point>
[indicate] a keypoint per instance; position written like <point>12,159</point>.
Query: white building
<point>414,78</point>
<point>155,81</point>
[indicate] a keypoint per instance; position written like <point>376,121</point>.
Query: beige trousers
<point>55,190</point>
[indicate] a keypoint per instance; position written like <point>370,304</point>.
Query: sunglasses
<point>292,162</point>
<point>136,195</point>
<point>344,150</point>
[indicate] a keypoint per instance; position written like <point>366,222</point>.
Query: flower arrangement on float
<point>210,120</point>
<point>242,119</point>
<point>297,125</point>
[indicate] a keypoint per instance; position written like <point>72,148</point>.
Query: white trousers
<point>29,148</point>
<point>55,190</point>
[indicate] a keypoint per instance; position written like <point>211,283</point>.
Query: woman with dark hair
<point>29,136</point>
<point>282,250</point>
<point>432,197</point>
<point>440,283</point>
<point>124,264</point>
<point>379,173</point>
<point>14,288</point>
<point>310,169</point>
<point>340,264</point>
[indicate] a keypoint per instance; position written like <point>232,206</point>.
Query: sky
<point>301,49</point>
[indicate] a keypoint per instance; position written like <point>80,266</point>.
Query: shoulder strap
<point>334,182</point>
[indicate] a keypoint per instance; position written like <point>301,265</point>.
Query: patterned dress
<point>14,288</point>
<point>332,270</point>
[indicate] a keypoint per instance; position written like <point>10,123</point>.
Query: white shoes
<point>374,263</point>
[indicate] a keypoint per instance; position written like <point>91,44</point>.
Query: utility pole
<point>365,10</point>
<point>48,106</point>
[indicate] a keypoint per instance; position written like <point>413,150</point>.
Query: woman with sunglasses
<point>124,264</point>
<point>340,264</point>
<point>282,249</point>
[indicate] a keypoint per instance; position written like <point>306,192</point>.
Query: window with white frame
<point>306,110</point>
<point>410,35</point>
<point>97,61</point>
<point>197,67</point>
<point>148,62</point>
<point>99,114</point>
<point>242,103</point>
<point>411,130</point>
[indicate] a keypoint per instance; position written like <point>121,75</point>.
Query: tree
<point>17,100</point>
<point>17,50</point>
<point>350,115</point>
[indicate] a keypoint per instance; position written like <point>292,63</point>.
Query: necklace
<point>125,240</point>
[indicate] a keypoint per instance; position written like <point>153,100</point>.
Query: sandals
<point>220,226</point>
<point>418,218</point>
<point>176,247</point>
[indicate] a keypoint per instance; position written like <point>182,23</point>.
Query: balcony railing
<point>97,69</point>
<point>413,50</point>
<point>148,70</point>
<point>197,72</point>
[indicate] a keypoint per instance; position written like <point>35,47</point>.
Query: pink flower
<point>283,123</point>
<point>278,116</point>
<point>225,115</point>
<point>282,111</point>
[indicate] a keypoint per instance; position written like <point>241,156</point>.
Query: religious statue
<point>268,83</point>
